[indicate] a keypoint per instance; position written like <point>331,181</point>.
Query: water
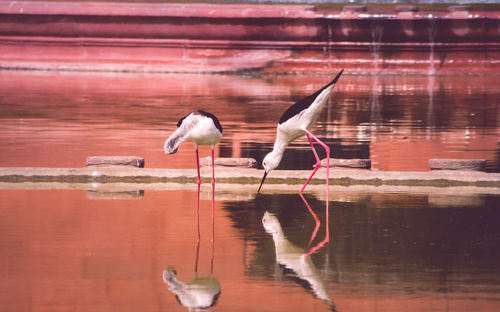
<point>377,31</point>
<point>432,44</point>
<point>52,119</point>
<point>382,1</point>
<point>73,250</point>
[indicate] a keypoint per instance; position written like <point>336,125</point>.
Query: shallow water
<point>81,250</point>
<point>95,251</point>
<point>54,119</point>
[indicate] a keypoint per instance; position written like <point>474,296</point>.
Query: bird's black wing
<point>179,123</point>
<point>303,104</point>
<point>214,119</point>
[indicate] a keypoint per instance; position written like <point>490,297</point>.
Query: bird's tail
<point>172,143</point>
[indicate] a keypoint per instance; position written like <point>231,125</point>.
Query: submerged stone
<point>229,162</point>
<point>106,161</point>
<point>348,163</point>
<point>457,164</point>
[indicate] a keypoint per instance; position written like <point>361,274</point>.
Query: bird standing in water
<point>200,127</point>
<point>297,121</point>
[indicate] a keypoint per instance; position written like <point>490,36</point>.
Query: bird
<point>296,122</point>
<point>202,128</point>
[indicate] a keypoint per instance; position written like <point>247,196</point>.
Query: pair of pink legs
<point>318,165</point>
<point>198,196</point>
<point>318,161</point>
<point>198,166</point>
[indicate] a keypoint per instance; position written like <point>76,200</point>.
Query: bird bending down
<point>200,127</point>
<point>297,121</point>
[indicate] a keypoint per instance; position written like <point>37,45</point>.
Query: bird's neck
<point>279,148</point>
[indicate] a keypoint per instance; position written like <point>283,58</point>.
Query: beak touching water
<point>262,182</point>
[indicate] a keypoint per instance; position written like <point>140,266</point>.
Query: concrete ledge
<point>440,178</point>
<point>438,196</point>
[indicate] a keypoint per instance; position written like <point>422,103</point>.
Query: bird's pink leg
<point>213,167</point>
<point>318,164</point>
<point>198,196</point>
<point>198,165</point>
<point>318,161</point>
<point>213,195</point>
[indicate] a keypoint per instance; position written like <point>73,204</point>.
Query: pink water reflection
<point>63,250</point>
<point>53,119</point>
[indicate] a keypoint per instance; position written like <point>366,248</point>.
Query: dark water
<point>53,119</point>
<point>73,250</point>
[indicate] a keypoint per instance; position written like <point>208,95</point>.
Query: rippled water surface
<point>74,250</point>
<point>399,122</point>
<point>139,250</point>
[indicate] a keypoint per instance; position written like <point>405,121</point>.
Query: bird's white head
<point>270,162</point>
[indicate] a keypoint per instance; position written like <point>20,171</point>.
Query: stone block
<point>348,163</point>
<point>107,161</point>
<point>406,8</point>
<point>457,164</point>
<point>354,8</point>
<point>459,8</point>
<point>229,162</point>
<point>91,194</point>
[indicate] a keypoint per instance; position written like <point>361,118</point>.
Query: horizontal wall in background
<point>239,37</point>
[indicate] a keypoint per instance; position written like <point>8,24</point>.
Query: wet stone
<point>459,8</point>
<point>92,194</point>
<point>348,163</point>
<point>406,8</point>
<point>457,164</point>
<point>108,161</point>
<point>229,162</point>
<point>354,8</point>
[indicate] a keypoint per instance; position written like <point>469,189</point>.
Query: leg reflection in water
<point>311,250</point>
<point>297,259</point>
<point>201,292</point>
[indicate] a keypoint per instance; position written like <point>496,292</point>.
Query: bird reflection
<point>203,291</point>
<point>296,258</point>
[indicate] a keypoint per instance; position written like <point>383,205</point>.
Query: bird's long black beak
<point>262,182</point>
<point>337,77</point>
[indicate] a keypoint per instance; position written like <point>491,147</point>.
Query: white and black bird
<point>200,127</point>
<point>296,122</point>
